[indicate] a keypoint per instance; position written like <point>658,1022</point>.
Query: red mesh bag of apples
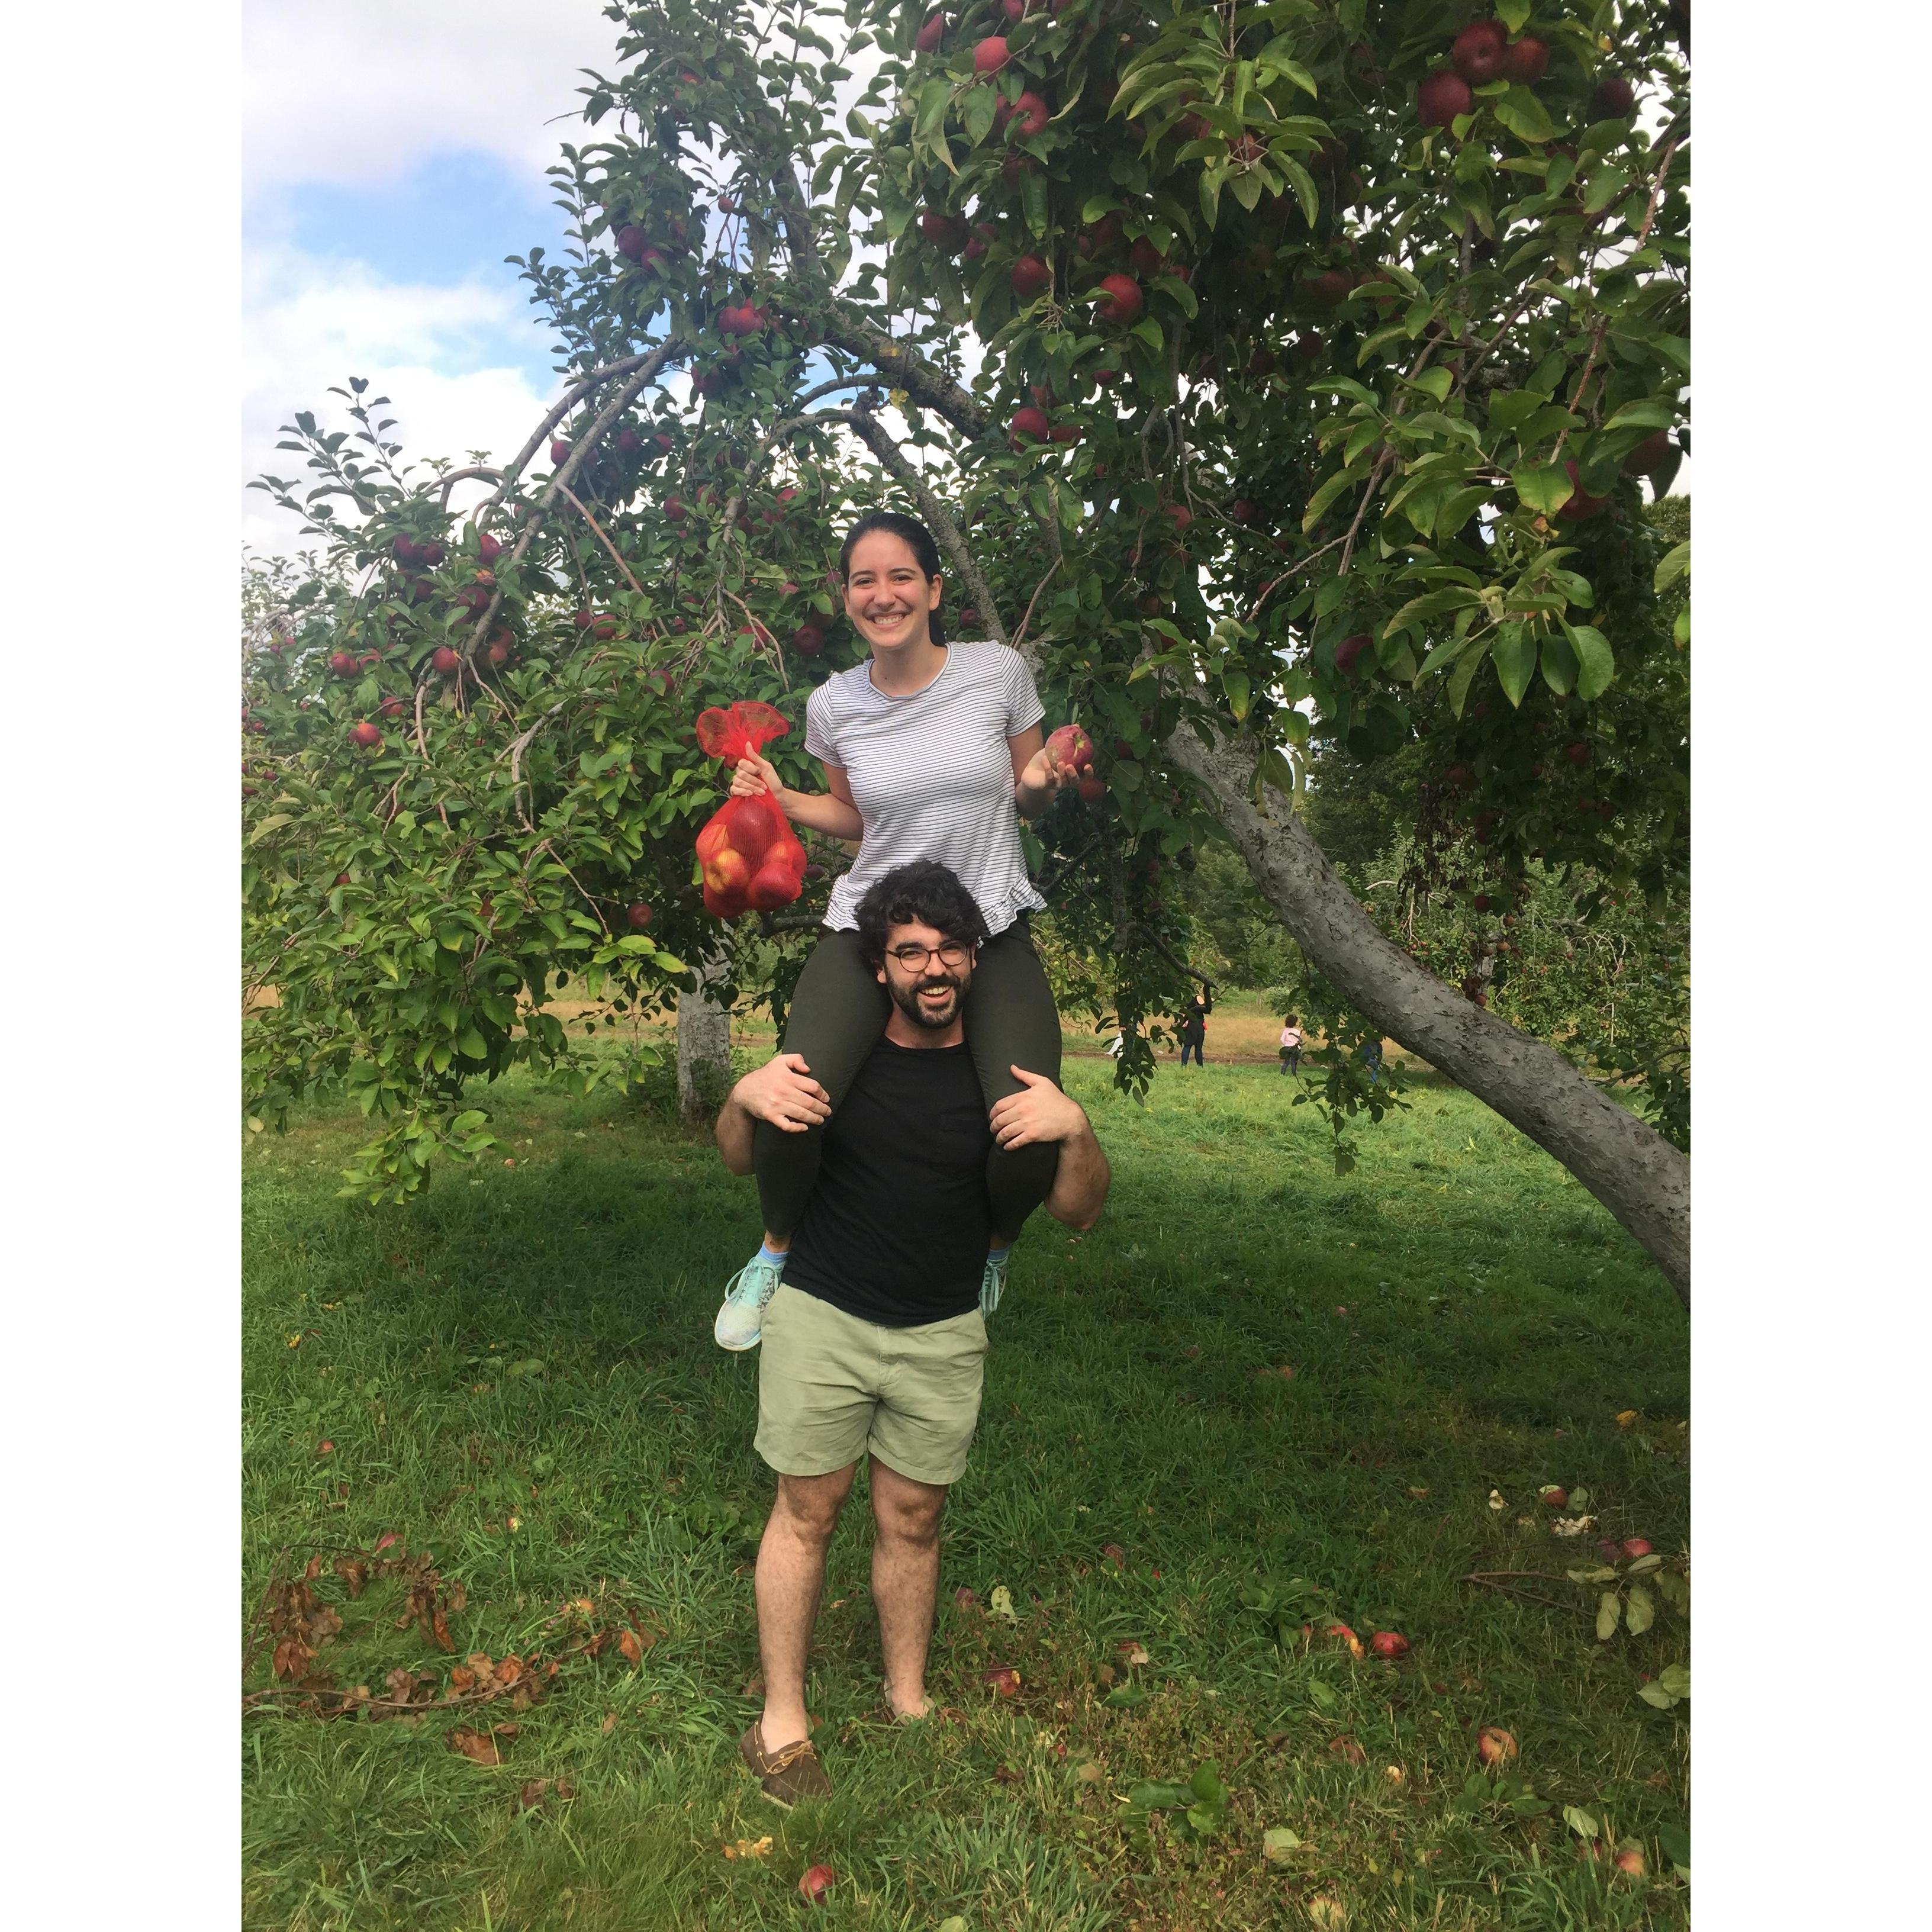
<point>752,857</point>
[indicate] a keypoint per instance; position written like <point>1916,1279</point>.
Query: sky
<point>393,154</point>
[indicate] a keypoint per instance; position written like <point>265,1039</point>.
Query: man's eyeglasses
<point>913,959</point>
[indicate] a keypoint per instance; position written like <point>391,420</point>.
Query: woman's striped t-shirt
<point>932,775</point>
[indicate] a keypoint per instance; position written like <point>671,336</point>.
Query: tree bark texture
<point>703,1051</point>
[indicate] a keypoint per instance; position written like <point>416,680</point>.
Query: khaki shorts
<point>832,1387</point>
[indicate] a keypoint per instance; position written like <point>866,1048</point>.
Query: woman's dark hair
<point>924,890</point>
<point>915,537</point>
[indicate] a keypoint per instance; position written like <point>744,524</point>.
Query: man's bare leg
<point>791,1574</point>
<point>905,1580</point>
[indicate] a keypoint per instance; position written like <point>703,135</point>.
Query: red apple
<point>1031,115</point>
<point>1327,289</point>
<point>1494,1745</point>
<point>405,547</point>
<point>1120,299</point>
<point>1241,511</point>
<point>392,707</point>
<point>1553,1495</point>
<point>817,1881</point>
<point>1479,51</point>
<point>1030,275</point>
<point>1527,60</point>
<point>1579,504</point>
<point>1481,901</point>
<point>808,640</point>
<point>366,735</point>
<point>1635,1546</point>
<point>775,883</point>
<point>499,652</point>
<point>1030,422</point>
<point>945,232</point>
<point>631,241</point>
<point>1613,100</point>
<point>559,452</point>
<point>343,663</point>
<point>1348,1637</point>
<point>488,548</point>
<point>1069,745</point>
<point>990,55</point>
<point>1442,97</point>
<point>727,870</point>
<point>431,553</point>
<point>1092,788</point>
<point>1650,455</point>
<point>1629,1861</point>
<point>675,509</point>
<point>1348,652</point>
<point>444,659</point>
<point>1180,516</point>
<point>928,38</point>
<point>1389,1643</point>
<point>1002,1679</point>
<point>1578,754</point>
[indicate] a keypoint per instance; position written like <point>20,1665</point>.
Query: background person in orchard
<point>1290,1045</point>
<point>928,748</point>
<point>874,1342</point>
<point>1194,1025</point>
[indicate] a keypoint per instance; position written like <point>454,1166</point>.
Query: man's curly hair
<point>922,890</point>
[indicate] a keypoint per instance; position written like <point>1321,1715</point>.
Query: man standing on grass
<point>875,1343</point>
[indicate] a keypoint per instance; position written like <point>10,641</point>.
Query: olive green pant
<point>837,1015</point>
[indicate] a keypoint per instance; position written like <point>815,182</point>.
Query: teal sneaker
<point>740,1319</point>
<point>993,1283</point>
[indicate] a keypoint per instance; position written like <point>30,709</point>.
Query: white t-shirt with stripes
<point>932,775</point>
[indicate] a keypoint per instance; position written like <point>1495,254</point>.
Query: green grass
<point>1496,1322</point>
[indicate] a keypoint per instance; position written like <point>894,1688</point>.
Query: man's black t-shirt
<point>895,1230</point>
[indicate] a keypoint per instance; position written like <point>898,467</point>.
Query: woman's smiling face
<point>888,598</point>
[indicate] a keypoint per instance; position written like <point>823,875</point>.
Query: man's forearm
<point>1080,1182</point>
<point>734,1135</point>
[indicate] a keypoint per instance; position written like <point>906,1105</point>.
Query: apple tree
<point>1271,377</point>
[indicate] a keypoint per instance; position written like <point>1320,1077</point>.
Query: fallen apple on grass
<point>1495,1745</point>
<point>817,1881</point>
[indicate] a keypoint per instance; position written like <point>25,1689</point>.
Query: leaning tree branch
<point>1630,1167</point>
<point>572,496</point>
<point>643,370</point>
<point>569,401</point>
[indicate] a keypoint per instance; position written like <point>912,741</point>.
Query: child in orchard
<point>930,751</point>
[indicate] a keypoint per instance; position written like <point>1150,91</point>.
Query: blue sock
<point>765,1254</point>
<point>996,1255</point>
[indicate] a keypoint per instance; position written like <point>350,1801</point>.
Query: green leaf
<point>1325,1695</point>
<point>1332,488</point>
<point>1599,1573</point>
<point>1277,1842</point>
<point>976,114</point>
<point>1153,1797</point>
<point>1642,1612</point>
<point>1436,382</point>
<point>1524,116</point>
<point>1542,486</point>
<point>1596,666</point>
<point>1609,1614</point>
<point>1457,509</point>
<point>1674,1842</point>
<point>1514,654</point>
<point>274,822</point>
<point>1649,413</point>
<point>1675,1678</point>
<point>1655,1695</point>
<point>1457,683</point>
<point>1583,1822</point>
<point>1124,1697</point>
<point>1206,1785</point>
<point>1239,692</point>
<point>1559,664</point>
<point>1675,563</point>
<point>1513,14</point>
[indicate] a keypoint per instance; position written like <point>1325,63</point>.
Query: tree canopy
<point>1275,377</point>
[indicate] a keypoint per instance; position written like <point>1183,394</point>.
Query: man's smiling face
<point>929,994</point>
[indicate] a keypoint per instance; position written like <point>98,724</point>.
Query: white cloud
<point>361,91</point>
<point>444,356</point>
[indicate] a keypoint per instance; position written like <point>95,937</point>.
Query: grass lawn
<point>516,1375</point>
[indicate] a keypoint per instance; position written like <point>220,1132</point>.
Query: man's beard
<point>907,999</point>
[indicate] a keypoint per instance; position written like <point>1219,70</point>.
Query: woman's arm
<point>1037,778</point>
<point>830,811</point>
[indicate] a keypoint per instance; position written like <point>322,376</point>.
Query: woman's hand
<point>756,778</point>
<point>1044,773</point>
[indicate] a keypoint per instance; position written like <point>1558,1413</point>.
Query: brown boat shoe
<point>791,1772</point>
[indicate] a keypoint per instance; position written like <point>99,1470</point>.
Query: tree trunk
<point>704,1049</point>
<point>1631,1168</point>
